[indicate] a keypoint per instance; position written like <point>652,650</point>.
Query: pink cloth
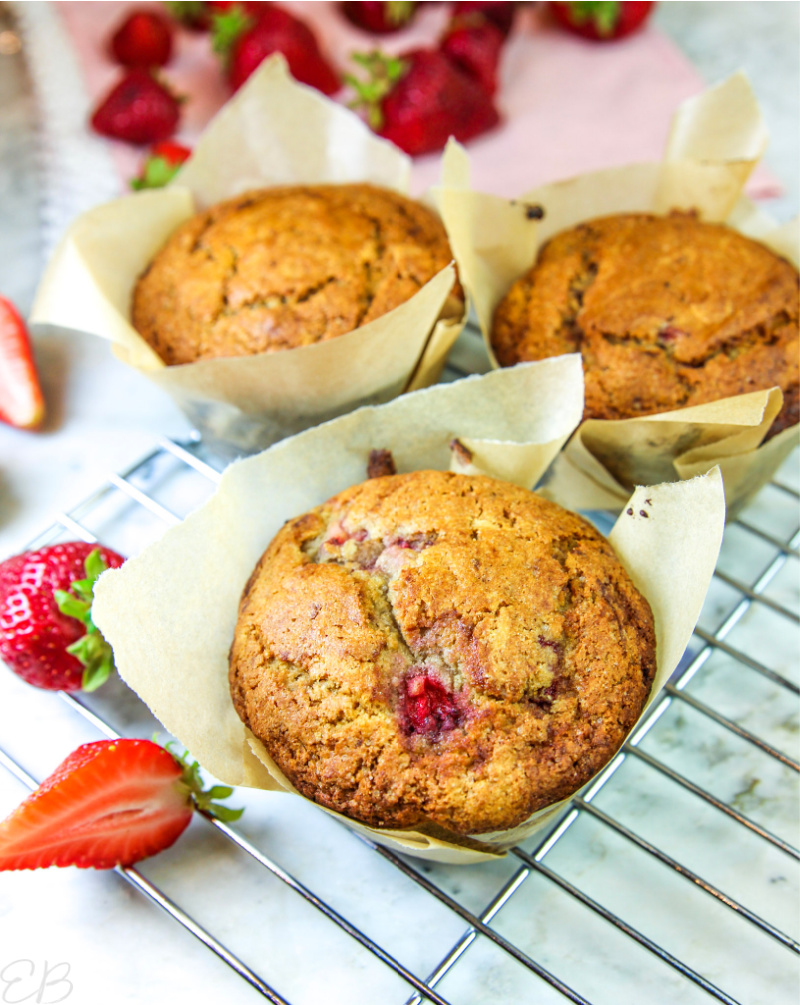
<point>568,105</point>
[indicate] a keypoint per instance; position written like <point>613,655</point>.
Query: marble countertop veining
<point>112,944</point>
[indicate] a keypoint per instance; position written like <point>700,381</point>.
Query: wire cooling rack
<point>673,878</point>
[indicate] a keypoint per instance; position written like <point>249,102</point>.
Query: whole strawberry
<point>379,18</point>
<point>161,165</point>
<point>112,802</point>
<point>602,20</point>
<point>46,632</point>
<point>500,14</point>
<point>421,99</point>
<point>245,41</point>
<point>138,109</point>
<point>475,45</point>
<point>143,39</point>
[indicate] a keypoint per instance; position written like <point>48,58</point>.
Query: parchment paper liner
<point>170,613</point>
<point>274,131</point>
<point>715,141</point>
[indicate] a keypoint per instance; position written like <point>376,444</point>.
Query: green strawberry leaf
<point>158,171</point>
<point>224,813</point>
<point>203,800</point>
<point>604,14</point>
<point>91,650</point>
<point>71,606</point>
<point>399,11</point>
<point>227,28</point>
<point>187,11</point>
<point>383,72</point>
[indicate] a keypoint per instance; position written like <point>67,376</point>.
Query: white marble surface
<point>119,947</point>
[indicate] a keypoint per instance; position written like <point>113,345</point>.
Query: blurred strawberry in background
<point>139,109</point>
<point>474,44</point>
<point>603,20</point>
<point>379,18</point>
<point>244,38</point>
<point>500,14</point>
<point>421,99</point>
<point>143,39</point>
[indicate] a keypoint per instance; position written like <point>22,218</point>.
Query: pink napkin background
<point>568,105</point>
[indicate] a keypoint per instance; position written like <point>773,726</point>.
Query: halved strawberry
<point>112,802</point>
<point>21,401</point>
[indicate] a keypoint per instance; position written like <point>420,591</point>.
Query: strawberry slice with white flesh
<point>111,802</point>
<point>21,401</point>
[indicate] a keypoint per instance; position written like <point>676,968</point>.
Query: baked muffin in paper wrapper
<point>170,613</point>
<point>715,142</point>
<point>274,131</point>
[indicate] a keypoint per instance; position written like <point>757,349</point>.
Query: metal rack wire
<point>145,488</point>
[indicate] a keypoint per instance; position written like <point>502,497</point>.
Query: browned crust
<point>519,607</point>
<point>667,312</point>
<point>283,267</point>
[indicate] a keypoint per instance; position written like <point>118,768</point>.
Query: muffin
<point>667,312</point>
<point>278,268</point>
<point>435,648</point>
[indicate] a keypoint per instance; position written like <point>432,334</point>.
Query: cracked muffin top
<point>667,312</point>
<point>435,648</point>
<point>278,268</point>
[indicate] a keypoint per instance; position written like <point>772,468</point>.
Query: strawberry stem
<point>603,14</point>
<point>383,72</point>
<point>91,650</point>
<point>227,28</point>
<point>158,171</point>
<point>186,11</point>
<point>203,800</point>
<point>399,11</point>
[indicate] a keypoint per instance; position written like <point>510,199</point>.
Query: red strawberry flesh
<point>427,707</point>
<point>109,803</point>
<point>21,401</point>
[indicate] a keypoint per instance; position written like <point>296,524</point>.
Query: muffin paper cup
<point>274,131</point>
<point>170,613</point>
<point>716,140</point>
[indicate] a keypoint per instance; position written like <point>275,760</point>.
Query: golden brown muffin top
<point>667,312</point>
<point>283,267</point>
<point>433,647</point>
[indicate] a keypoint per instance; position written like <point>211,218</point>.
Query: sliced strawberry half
<point>112,802</point>
<point>21,401</point>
